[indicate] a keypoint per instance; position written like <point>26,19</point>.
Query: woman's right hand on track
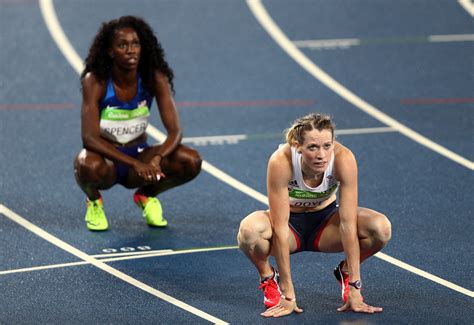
<point>283,308</point>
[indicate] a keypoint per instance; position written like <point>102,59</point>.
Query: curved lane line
<point>468,5</point>
<point>282,40</point>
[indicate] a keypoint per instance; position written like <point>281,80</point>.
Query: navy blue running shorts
<point>121,169</point>
<point>307,227</point>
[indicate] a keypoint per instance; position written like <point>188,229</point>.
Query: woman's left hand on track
<point>356,304</point>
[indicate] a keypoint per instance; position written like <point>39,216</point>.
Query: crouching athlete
<point>303,177</point>
<point>125,69</point>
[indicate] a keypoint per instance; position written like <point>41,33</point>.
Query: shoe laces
<point>95,206</point>
<point>95,211</point>
<point>269,286</point>
<point>345,276</point>
<point>152,201</point>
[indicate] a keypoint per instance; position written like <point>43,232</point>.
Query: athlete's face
<point>316,150</point>
<point>125,49</point>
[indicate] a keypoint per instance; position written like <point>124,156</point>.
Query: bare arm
<point>92,92</point>
<point>346,169</point>
<point>346,172</point>
<point>278,175</point>
<point>168,114</point>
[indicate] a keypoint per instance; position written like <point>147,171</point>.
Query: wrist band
<point>288,299</point>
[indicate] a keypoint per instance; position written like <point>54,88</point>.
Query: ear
<point>298,147</point>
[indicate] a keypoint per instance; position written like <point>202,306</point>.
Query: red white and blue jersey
<point>121,121</point>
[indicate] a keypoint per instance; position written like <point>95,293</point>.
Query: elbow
<point>88,142</point>
<point>179,133</point>
<point>176,134</point>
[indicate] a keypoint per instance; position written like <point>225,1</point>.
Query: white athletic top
<point>301,195</point>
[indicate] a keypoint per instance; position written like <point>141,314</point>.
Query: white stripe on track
<point>282,40</point>
<point>424,274</point>
<point>104,267</point>
<point>54,28</point>
<point>468,5</point>
<point>342,43</point>
<point>451,38</point>
<point>236,138</point>
<point>119,257</point>
<point>345,43</point>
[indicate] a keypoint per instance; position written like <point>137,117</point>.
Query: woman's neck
<point>308,173</point>
<point>124,77</point>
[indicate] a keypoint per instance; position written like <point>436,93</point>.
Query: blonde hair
<point>295,133</point>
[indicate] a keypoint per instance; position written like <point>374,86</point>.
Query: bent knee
<point>194,163</point>
<point>382,228</point>
<point>191,162</point>
<point>91,167</point>
<point>247,234</point>
<point>251,229</point>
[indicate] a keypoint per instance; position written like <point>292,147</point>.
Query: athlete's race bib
<point>308,199</point>
<point>123,126</point>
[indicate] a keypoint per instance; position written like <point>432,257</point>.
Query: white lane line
<point>52,23</point>
<point>345,43</point>
<point>468,5</point>
<point>266,21</point>
<point>101,265</point>
<point>107,255</point>
<point>424,274</point>
<point>382,129</point>
<point>236,138</point>
<point>216,139</point>
<point>281,39</point>
<point>341,43</point>
<point>119,257</point>
<point>43,267</point>
<point>451,38</point>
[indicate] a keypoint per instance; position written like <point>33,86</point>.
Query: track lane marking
<point>424,274</point>
<point>118,257</point>
<point>468,5</point>
<point>138,255</point>
<point>236,138</point>
<point>103,266</point>
<point>262,16</point>
<point>346,43</point>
